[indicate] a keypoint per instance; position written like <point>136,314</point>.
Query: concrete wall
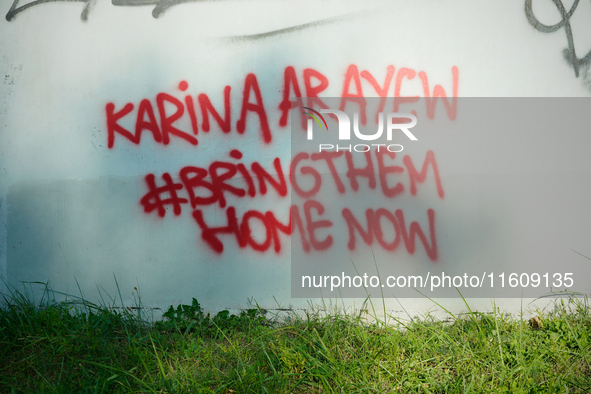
<point>70,200</point>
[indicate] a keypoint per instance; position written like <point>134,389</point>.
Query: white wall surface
<point>70,209</point>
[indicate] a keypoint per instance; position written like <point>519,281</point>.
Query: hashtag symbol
<point>153,199</point>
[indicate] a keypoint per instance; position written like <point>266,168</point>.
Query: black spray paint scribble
<point>570,53</point>
<point>160,5</point>
<point>15,9</point>
<point>301,27</point>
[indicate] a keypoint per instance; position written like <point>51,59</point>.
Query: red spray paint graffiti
<point>199,187</point>
<point>224,184</point>
<point>253,109</point>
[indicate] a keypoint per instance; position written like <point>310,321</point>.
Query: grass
<point>65,347</point>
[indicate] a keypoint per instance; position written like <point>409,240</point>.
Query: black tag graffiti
<point>569,53</point>
<point>160,6</point>
<point>15,9</point>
